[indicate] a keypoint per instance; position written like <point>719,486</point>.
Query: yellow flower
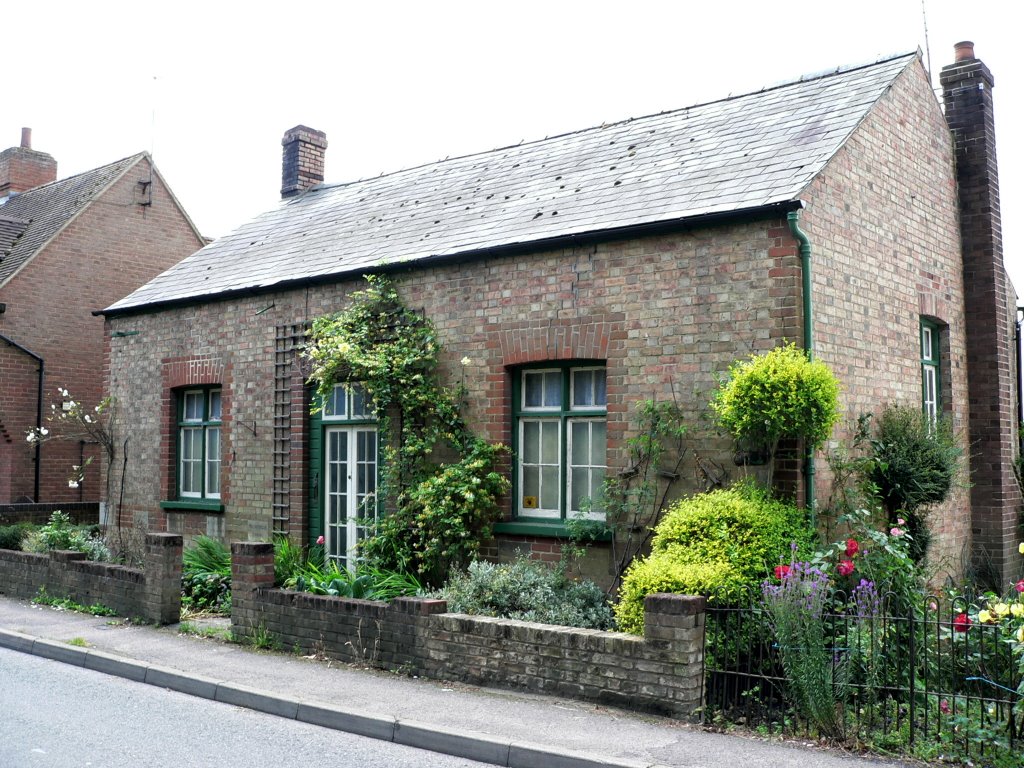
<point>1001,609</point>
<point>1021,548</point>
<point>1017,609</point>
<point>1020,634</point>
<point>985,617</point>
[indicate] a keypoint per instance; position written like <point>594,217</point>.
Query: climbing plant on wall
<point>436,513</point>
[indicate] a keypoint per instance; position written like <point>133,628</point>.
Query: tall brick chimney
<point>302,162</point>
<point>23,168</point>
<point>990,304</point>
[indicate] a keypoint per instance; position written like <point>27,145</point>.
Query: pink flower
<point>1019,586</point>
<point>781,572</point>
<point>852,547</point>
<point>900,521</point>
<point>944,706</point>
<point>320,541</point>
<point>845,567</point>
<point>896,531</point>
<point>962,623</point>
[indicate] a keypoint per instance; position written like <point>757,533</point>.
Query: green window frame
<point>199,433</point>
<point>931,371</point>
<point>560,443</point>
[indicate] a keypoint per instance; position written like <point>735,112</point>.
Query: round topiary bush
<point>717,544</point>
<point>778,394</point>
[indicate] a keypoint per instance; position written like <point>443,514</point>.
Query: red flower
<point>852,547</point>
<point>962,623</point>
<point>944,706</point>
<point>781,572</point>
<point>845,567</point>
<point>1019,586</point>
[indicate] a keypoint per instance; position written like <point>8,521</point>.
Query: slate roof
<point>45,210</point>
<point>744,152</point>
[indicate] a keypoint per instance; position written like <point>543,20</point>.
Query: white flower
<point>72,483</point>
<point>44,431</point>
<point>30,436</point>
<point>88,419</point>
<point>466,361</point>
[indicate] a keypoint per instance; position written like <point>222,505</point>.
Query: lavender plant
<point>816,673</point>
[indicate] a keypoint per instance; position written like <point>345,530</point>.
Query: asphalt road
<point>56,715</point>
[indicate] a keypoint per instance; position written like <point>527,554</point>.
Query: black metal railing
<point>926,679</point>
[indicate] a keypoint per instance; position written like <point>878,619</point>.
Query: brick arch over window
<point>180,372</point>
<point>514,344</point>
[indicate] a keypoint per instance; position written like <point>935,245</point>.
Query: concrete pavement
<point>494,726</point>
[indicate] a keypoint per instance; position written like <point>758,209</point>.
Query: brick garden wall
<point>153,593</point>
<point>84,513</point>
<point>114,246</point>
<point>661,672</point>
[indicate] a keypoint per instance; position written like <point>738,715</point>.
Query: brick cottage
<point>68,247</point>
<point>581,274</point>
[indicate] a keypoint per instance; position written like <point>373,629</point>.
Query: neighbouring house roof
<point>45,210</point>
<point>10,231</point>
<point>741,153</point>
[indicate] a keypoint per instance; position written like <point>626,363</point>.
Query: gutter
<point>39,405</point>
<point>793,217</point>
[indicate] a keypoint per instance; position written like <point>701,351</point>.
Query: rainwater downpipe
<point>805,272</point>
<point>39,407</point>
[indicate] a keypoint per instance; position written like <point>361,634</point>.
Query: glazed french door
<point>350,493</point>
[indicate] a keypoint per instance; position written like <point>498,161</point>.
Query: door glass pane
<point>598,443</point>
<point>335,406</point>
<point>579,488</point>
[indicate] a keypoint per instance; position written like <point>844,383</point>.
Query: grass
<point>209,633</point>
<point>81,642</point>
<point>67,604</point>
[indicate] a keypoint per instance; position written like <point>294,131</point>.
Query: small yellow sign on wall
<point>529,502</point>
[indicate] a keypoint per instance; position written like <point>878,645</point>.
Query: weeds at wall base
<point>66,604</point>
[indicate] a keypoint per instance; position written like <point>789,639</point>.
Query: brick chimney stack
<point>23,168</point>
<point>302,162</point>
<point>990,304</point>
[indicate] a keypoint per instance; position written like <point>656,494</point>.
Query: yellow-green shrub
<point>716,544</point>
<point>663,573</point>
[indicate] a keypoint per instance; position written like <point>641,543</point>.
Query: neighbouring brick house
<point>580,274</point>
<point>69,247</point>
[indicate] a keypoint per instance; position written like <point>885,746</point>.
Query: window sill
<point>555,529</point>
<point>197,505</point>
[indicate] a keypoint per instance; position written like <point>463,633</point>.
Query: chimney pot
<point>964,50</point>
<point>26,138</point>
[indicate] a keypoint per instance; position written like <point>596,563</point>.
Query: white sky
<point>210,87</point>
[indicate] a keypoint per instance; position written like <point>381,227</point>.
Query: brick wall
<point>85,513</point>
<point>661,672</point>
<point>666,313</point>
<point>882,219</point>
<point>153,593</point>
<point>111,248</point>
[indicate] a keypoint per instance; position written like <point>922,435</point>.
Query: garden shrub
<point>11,536</point>
<point>915,466</point>
<point>742,527</point>
<point>206,576</point>
<point>61,533</point>
<point>717,580</point>
<point>527,590</point>
<point>775,395</point>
